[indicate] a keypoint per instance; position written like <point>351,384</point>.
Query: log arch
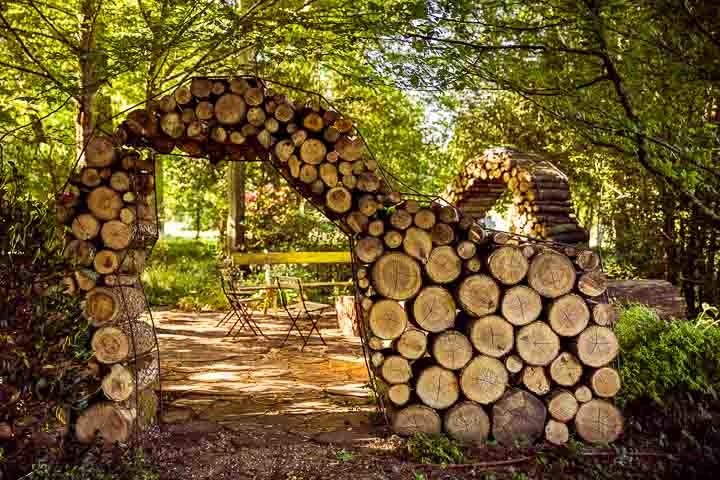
<point>541,202</point>
<point>421,256</point>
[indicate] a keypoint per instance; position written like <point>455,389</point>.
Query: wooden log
<point>106,262</point>
<point>434,309</point>
<point>442,234</point>
<point>537,344</point>
<point>479,295</point>
<point>588,260</point>
<point>230,109</point>
<point>535,380</point>
<point>514,364</point>
<point>116,344</point>
<point>366,204</point>
<point>397,276</point>
<point>492,335</point>
<point>562,406</point>
<point>417,243</point>
<point>583,394</point>
<point>105,203</point>
<point>329,175</point>
<point>452,350</point>
<point>556,432</point>
<point>425,218</point>
<point>416,419</point>
<point>598,421</point>
<point>86,279</point>
<point>368,182</point>
<point>393,239</point>
<point>468,423</point>
<point>85,226</point>
<point>593,284</point>
<point>357,222</point>
<point>204,111</point>
<point>377,228</point>
<point>605,382</point>
<point>118,384</point>
<point>127,215</point>
<point>200,87</point>
<point>597,346</point>
<point>484,379</point>
<point>377,343</point>
<point>106,419</point>
<point>284,112</point>
<point>412,344</point>
<point>399,394</point>
<point>99,152</point>
<point>116,234</point>
<point>121,280</point>
<point>368,249</point>
<point>473,265</point>
<point>308,173</point>
<point>553,194</point>
<point>571,237</point>
<point>395,369</point>
<point>508,265</point>
<point>443,265</point>
<point>172,124</point>
<point>437,387</point>
<point>387,319</point>
<point>665,298</point>
<point>521,305</point>
<point>466,249</point>
<point>132,261</point>
<point>551,274</point>
<point>254,96</point>
<point>294,165</point>
<point>79,252</point>
<point>90,177</point>
<point>605,314</point>
<point>338,199</point>
<point>109,306</point>
<point>566,370</point>
<point>313,151</point>
<point>401,219</point>
<point>518,419</point>
<point>569,315</point>
<point>350,149</point>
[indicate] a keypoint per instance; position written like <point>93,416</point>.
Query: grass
<point>183,274</point>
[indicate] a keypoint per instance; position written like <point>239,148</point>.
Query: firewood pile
<point>469,331</point>
<point>541,203</point>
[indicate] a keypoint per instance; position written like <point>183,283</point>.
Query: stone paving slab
<point>207,376</point>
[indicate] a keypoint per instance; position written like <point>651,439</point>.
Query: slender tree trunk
<point>89,59</point>
<point>236,209</point>
<point>198,216</point>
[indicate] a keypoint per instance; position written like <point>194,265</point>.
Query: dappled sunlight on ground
<point>252,380</point>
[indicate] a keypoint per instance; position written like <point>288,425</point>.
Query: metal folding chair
<point>301,309</point>
<point>241,300</point>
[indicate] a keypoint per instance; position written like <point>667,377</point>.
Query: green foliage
<point>343,455</point>
<point>660,357</point>
<point>435,449</point>
<point>183,273</point>
<point>133,467</point>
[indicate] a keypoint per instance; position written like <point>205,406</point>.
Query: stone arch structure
<point>441,298</point>
<point>541,200</point>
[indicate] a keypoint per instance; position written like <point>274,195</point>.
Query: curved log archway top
<point>441,298</point>
<point>541,202</point>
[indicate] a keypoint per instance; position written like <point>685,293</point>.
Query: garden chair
<point>301,309</point>
<point>242,300</point>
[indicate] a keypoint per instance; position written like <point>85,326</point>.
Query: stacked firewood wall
<point>108,218</point>
<point>469,331</point>
<point>541,203</point>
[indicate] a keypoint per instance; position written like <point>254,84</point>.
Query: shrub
<point>183,273</point>
<point>437,448</point>
<point>659,358</point>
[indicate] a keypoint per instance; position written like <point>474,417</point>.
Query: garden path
<point>251,383</point>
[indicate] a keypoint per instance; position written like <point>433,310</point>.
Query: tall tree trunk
<point>235,233</point>
<point>91,62</point>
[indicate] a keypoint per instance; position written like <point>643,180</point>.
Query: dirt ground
<point>247,408</point>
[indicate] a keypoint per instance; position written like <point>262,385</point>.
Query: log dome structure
<point>468,330</point>
<point>541,202</point>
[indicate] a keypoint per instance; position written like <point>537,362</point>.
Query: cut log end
<point>434,309</point>
<point>492,336</point>
<point>452,350</point>
<point>518,418</point>
<point>437,387</point>
<point>416,419</point>
<point>467,423</point>
<point>599,421</point>
<point>484,379</point>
